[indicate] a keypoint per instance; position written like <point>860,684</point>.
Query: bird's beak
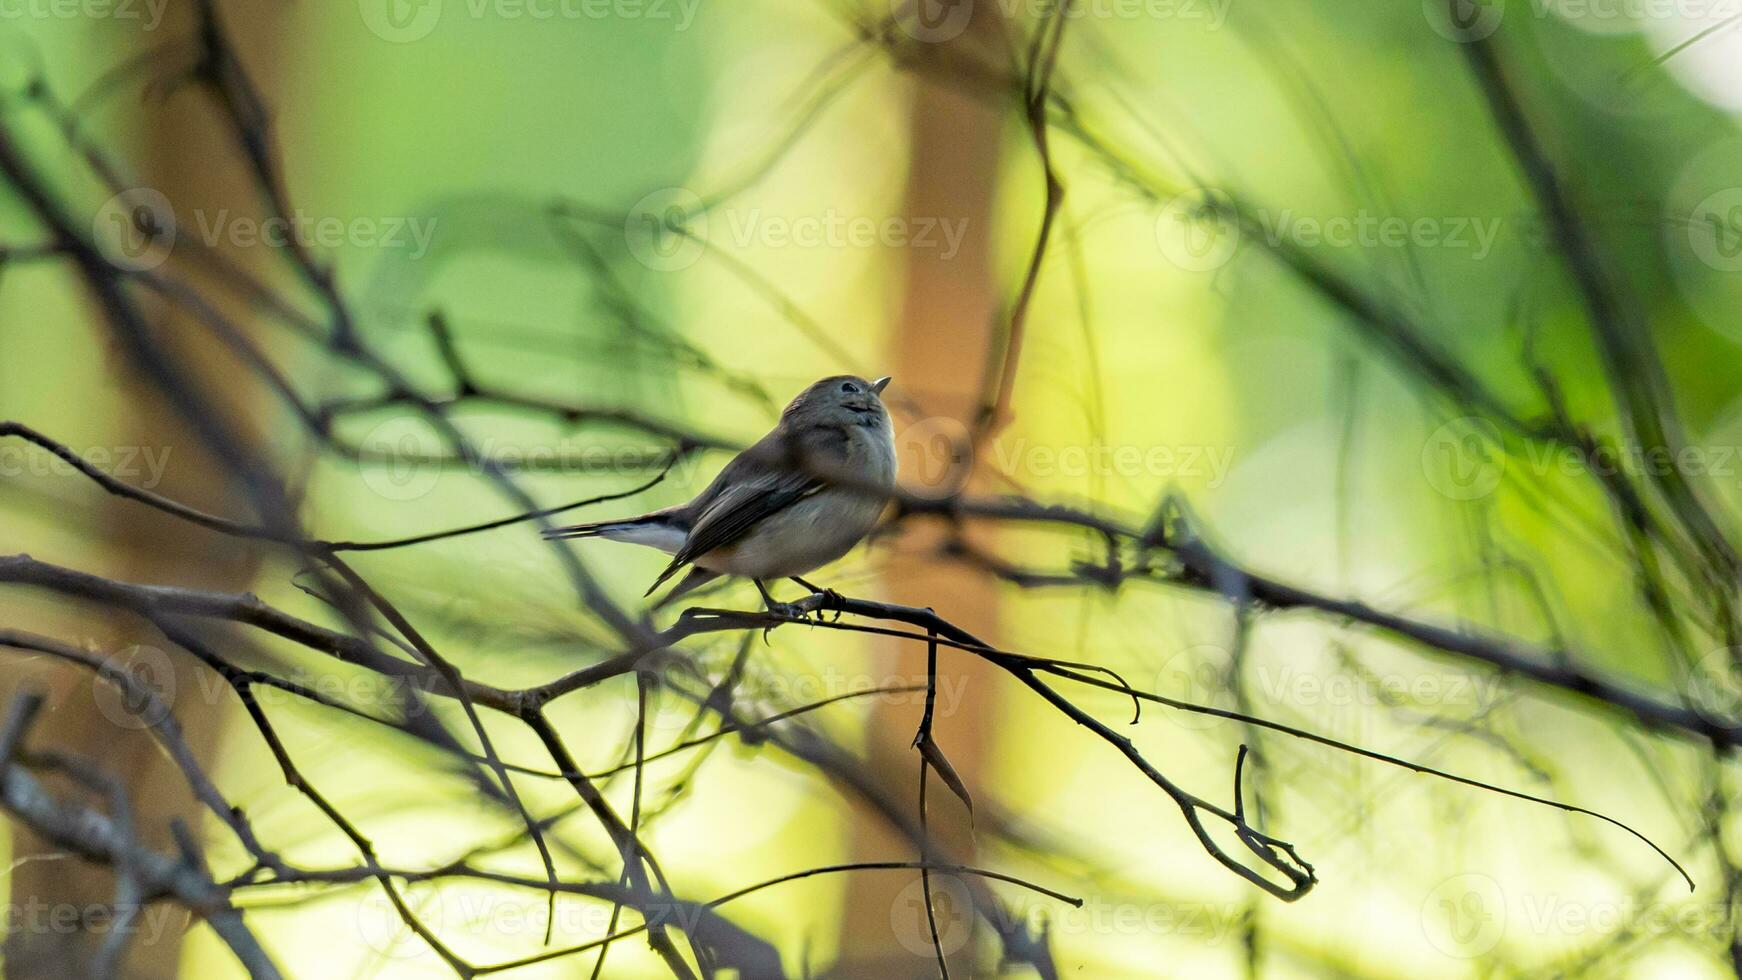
<point>878,385</point>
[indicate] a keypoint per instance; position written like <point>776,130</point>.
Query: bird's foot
<point>820,599</point>
<point>808,610</point>
<point>831,600</point>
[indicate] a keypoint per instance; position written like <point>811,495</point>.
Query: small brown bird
<point>801,497</point>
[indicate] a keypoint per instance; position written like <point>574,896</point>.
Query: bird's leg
<point>767,599</point>
<point>830,596</point>
<point>775,606</point>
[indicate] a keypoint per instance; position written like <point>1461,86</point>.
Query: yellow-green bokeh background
<point>1313,110</point>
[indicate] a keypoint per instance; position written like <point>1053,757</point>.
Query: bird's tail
<point>592,530</point>
<point>656,530</point>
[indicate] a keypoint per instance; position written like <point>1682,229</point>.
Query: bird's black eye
<point>851,388</point>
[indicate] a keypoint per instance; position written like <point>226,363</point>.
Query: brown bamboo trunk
<point>944,337</point>
<point>63,904</point>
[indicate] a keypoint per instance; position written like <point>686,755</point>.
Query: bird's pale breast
<point>820,528</point>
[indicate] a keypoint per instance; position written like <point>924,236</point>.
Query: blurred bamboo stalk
<point>175,148</point>
<point>944,336</point>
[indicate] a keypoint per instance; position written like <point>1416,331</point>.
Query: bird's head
<point>839,401</point>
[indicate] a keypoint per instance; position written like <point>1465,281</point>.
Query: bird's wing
<point>752,487</point>
<point>738,507</point>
